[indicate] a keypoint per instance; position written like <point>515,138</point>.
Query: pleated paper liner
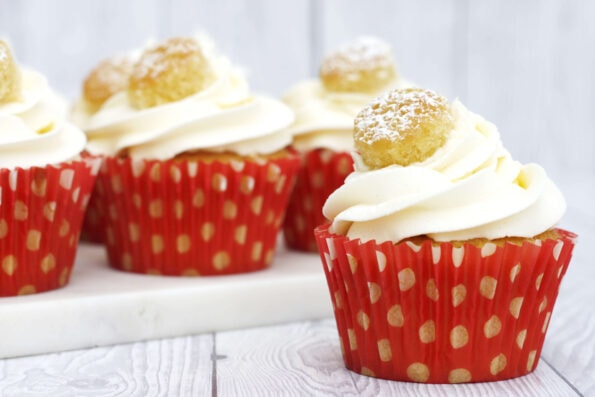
<point>41,211</point>
<point>193,217</point>
<point>443,313</point>
<point>322,171</point>
<point>93,228</point>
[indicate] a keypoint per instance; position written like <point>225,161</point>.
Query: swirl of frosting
<point>324,112</point>
<point>224,116</point>
<point>469,188</point>
<point>33,126</point>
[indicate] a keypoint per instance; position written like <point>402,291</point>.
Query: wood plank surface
<point>64,39</point>
<point>526,66</point>
<point>305,359</point>
<point>292,360</point>
<point>570,343</point>
<point>171,367</point>
<point>529,73</point>
<point>424,36</point>
<point>268,38</point>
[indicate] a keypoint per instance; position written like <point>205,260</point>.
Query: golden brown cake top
<point>403,126</point>
<point>364,65</point>
<point>549,234</point>
<point>169,71</point>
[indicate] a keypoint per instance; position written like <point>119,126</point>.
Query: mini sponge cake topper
<point>10,76</point>
<point>403,126</point>
<point>169,71</point>
<point>109,77</point>
<point>363,65</point>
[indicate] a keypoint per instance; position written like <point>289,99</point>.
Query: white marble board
<point>101,306</point>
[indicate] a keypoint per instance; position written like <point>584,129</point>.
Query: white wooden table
<point>303,358</point>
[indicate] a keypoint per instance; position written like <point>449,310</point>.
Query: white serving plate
<point>101,306</point>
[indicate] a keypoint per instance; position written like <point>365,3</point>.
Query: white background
<point>525,65</point>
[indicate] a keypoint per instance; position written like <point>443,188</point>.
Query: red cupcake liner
<point>93,228</point>
<point>41,211</point>
<point>443,313</point>
<point>322,171</point>
<point>193,217</point>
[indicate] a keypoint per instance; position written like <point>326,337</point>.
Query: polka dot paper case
<point>325,107</point>
<point>197,170</point>
<point>45,184</point>
<point>442,256</point>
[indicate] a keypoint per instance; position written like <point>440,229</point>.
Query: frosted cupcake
<point>325,107</point>
<point>44,183</point>
<point>107,78</point>
<point>442,256</point>
<point>197,172</point>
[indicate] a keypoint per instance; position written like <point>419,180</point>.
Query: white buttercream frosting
<point>470,188</point>
<point>324,119</point>
<point>325,113</point>
<point>33,128</point>
<point>223,117</point>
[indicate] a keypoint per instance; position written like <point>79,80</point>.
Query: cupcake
<point>197,170</point>
<point>325,107</point>
<point>107,78</point>
<point>44,182</point>
<point>442,254</point>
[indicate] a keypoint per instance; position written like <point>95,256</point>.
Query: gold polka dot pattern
<point>406,279</point>
<point>427,332</point>
<point>157,245</point>
<point>395,316</point>
<point>498,364</point>
<point>438,313</point>
<point>352,339</point>
<point>418,372</point>
<point>322,171</point>
<point>41,210</point>
<point>459,293</point>
<point>459,375</point>
<point>213,217</point>
<point>375,292</point>
<point>384,350</point>
<point>459,337</point>
<point>432,290</point>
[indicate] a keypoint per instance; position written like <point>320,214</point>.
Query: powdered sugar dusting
<point>153,63</point>
<point>112,73</point>
<point>5,54</point>
<point>365,52</point>
<point>388,116</point>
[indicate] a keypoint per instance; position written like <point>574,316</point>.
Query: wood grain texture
<point>172,367</point>
<point>304,359</point>
<point>570,345</point>
<point>296,359</point>
<point>543,382</point>
<point>424,35</point>
<point>529,73</point>
<point>526,66</point>
<point>267,37</point>
<point>64,39</point>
